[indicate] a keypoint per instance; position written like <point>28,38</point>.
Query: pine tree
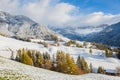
<point>46,56</point>
<point>90,51</point>
<point>34,58</point>
<point>108,53</point>
<point>40,60</point>
<point>79,62</point>
<point>26,59</point>
<point>48,64</point>
<point>100,70</point>
<point>79,65</point>
<point>82,63</point>
<point>60,56</point>
<point>86,69</point>
<point>66,64</point>
<point>91,68</point>
<point>71,67</point>
<point>84,66</point>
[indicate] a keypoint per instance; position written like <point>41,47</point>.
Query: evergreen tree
<point>91,68</point>
<point>34,58</point>
<point>108,53</point>
<point>73,67</point>
<point>66,64</point>
<point>40,60</point>
<point>100,70</point>
<point>84,66</point>
<point>48,64</point>
<point>79,62</point>
<point>90,51</point>
<point>60,56</point>
<point>26,59</point>
<point>46,56</point>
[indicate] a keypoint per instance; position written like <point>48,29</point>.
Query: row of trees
<point>34,58</point>
<point>62,62</point>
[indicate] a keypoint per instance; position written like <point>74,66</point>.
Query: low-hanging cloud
<point>56,13</point>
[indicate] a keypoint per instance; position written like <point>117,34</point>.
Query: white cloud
<point>9,5</point>
<point>55,13</point>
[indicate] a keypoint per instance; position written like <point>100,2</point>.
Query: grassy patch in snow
<point>12,75</point>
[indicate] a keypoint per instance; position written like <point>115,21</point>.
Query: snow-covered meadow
<point>97,59</point>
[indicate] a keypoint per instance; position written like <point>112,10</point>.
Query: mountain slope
<point>98,56</point>
<point>16,71</point>
<point>22,27</point>
<point>109,36</point>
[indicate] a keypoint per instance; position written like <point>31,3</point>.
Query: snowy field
<point>12,70</point>
<point>97,58</point>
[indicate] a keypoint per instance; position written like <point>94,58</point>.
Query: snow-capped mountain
<point>79,33</point>
<point>109,36</point>
<point>22,27</point>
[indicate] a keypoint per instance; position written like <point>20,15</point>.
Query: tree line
<point>61,62</point>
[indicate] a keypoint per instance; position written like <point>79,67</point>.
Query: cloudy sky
<point>62,13</point>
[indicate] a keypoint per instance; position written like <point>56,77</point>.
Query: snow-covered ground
<point>97,58</point>
<point>11,70</point>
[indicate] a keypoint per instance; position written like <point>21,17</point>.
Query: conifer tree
<point>108,53</point>
<point>84,66</point>
<point>100,70</point>
<point>40,60</point>
<point>91,68</point>
<point>48,64</point>
<point>90,51</point>
<point>26,59</point>
<point>70,66</point>
<point>34,58</point>
<point>79,62</point>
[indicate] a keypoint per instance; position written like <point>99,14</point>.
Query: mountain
<point>79,33</point>
<point>22,27</point>
<point>110,36</point>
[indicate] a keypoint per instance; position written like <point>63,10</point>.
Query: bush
<point>108,53</point>
<point>118,54</point>
<point>90,51</point>
<point>101,70</point>
<point>118,71</point>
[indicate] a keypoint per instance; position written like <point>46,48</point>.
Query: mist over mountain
<point>104,34</point>
<point>79,33</point>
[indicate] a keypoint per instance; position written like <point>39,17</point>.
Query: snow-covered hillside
<point>11,70</point>
<point>97,58</point>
